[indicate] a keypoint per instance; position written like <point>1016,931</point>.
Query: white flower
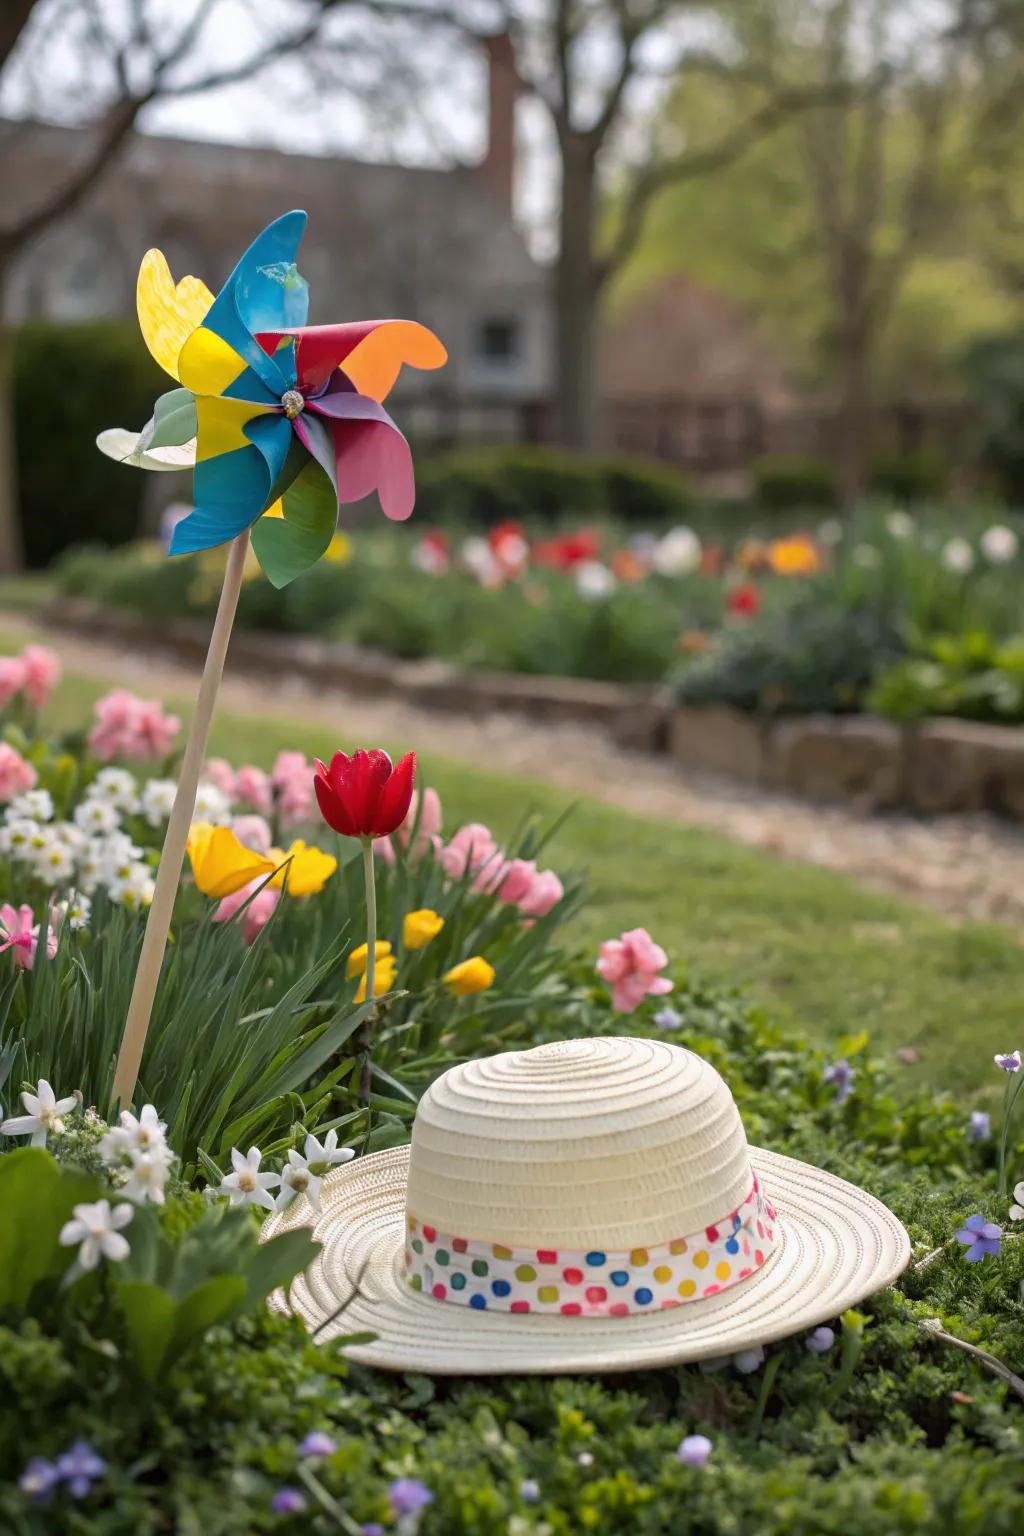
<point>147,1176</point>
<point>157,799</point>
<point>133,888</point>
<point>958,556</point>
<point>304,1171</point>
<point>97,816</point>
<point>246,1185</point>
<point>678,553</point>
<point>999,544</point>
<point>75,911</point>
<point>900,525</point>
<point>118,788</point>
<point>212,805</point>
<point>866,556</point>
<point>56,863</point>
<point>327,1151</point>
<point>16,837</point>
<point>43,1118</point>
<point>830,532</point>
<point>594,579</point>
<point>33,805</point>
<point>145,1134</point>
<point>1017,1210</point>
<point>97,1229</point>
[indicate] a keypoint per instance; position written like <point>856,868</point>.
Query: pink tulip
<point>127,727</point>
<point>16,775</point>
<point>21,936</point>
<point>292,781</point>
<point>43,672</point>
<point>12,678</point>
<point>258,912</point>
<point>253,786</point>
<point>473,850</point>
<point>520,875</point>
<point>630,964</point>
<point>219,772</point>
<point>544,893</point>
<point>427,834</point>
<point>253,831</point>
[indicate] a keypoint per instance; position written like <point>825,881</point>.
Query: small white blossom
<point>157,799</point>
<point>97,817</point>
<point>43,1117</point>
<point>1017,1209</point>
<point>304,1171</point>
<point>867,557</point>
<point>134,888</point>
<point>246,1185</point>
<point>144,1134</point>
<point>678,553</point>
<point>899,525</point>
<point>212,805</point>
<point>97,1229</point>
<point>146,1176</point>
<point>830,532</point>
<point>117,787</point>
<point>75,911</point>
<point>594,580</point>
<point>56,863</point>
<point>958,556</point>
<point>999,544</point>
<point>33,805</point>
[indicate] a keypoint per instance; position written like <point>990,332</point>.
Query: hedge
<point>71,381</point>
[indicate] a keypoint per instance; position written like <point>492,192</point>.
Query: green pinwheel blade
<point>174,419</point>
<point>286,546</point>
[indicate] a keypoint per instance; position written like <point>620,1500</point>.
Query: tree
<point>127,54</point>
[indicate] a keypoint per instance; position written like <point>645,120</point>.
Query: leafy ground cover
<point>813,946</point>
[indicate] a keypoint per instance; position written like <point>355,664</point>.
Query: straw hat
<point>589,1205</point>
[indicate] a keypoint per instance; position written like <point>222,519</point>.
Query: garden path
<point>969,866</point>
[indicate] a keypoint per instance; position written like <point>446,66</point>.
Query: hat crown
<point>613,1142</point>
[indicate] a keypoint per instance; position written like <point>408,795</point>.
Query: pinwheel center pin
<point>293,402</point>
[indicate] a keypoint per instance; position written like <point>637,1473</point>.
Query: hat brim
<point>836,1245</point>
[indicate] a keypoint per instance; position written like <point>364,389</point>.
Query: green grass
<point>810,945</point>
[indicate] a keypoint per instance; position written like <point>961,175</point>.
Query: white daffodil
<point>43,1117</point>
<point>1017,1209</point>
<point>147,1175</point>
<point>96,1228</point>
<point>899,525</point>
<point>999,544</point>
<point>97,817</point>
<point>246,1185</point>
<point>145,1134</point>
<point>958,556</point>
<point>75,911</point>
<point>157,800</point>
<point>327,1151</point>
<point>304,1171</point>
<point>33,805</point>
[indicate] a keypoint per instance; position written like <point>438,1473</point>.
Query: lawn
<point>811,946</point>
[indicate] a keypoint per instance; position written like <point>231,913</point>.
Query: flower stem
<point>768,1376</point>
<point>172,855</point>
<point>366,1074</point>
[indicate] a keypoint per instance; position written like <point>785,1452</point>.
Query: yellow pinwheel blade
<point>168,312</point>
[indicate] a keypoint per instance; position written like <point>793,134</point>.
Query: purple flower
<point>39,1479</point>
<point>409,1496</point>
<point>979,1237</point>
<point>1010,1062</point>
<point>317,1443</point>
<point>668,1018</point>
<point>749,1360</point>
<point>288,1501</point>
<point>529,1491</point>
<point>694,1450</point>
<point>841,1074</point>
<point>373,1528</point>
<point>79,1467</point>
<point>820,1341</point>
<point>980,1128</point>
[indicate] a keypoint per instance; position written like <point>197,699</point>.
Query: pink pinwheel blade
<point>374,456</point>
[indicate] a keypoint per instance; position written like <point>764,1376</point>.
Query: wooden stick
<point>172,856</point>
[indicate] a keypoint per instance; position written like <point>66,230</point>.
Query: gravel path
<point>969,866</point>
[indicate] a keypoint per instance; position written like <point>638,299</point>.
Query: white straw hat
<point>589,1205</point>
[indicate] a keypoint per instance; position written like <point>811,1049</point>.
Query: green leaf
<point>286,546</point>
<point>149,1315</point>
<point>36,1199</point>
<point>276,1264</point>
<point>174,419</point>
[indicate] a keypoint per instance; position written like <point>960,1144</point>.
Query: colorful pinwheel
<point>287,418</point>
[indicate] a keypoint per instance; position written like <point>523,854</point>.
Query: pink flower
<point>630,965</point>
<point>43,672</point>
<point>292,781</point>
<point>253,786</point>
<point>473,850</point>
<point>258,912</point>
<point>544,893</point>
<point>16,775</point>
<point>219,772</point>
<point>12,678</point>
<point>136,729</point>
<point>426,834</point>
<point>21,936</point>
<point>253,831</point>
<point>518,882</point>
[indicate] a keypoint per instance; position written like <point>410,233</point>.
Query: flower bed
<point>148,1388</point>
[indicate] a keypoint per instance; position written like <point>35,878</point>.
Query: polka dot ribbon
<point>602,1283</point>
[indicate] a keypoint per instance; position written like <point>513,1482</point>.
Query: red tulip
<point>745,600</point>
<point>365,795</point>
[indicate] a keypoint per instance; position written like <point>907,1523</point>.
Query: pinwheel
<point>287,423</point>
<point>288,419</point>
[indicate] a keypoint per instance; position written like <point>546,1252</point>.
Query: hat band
<point>604,1282</point>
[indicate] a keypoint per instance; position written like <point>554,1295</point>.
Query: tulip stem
<point>366,1074</point>
<point>172,855</point>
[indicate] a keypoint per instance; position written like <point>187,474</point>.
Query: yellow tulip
<point>420,927</point>
<point>794,556</point>
<point>308,872</point>
<point>357,959</point>
<point>473,975</point>
<point>383,978</point>
<point>221,865</point>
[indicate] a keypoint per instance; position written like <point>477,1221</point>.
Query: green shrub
<point>783,482</point>
<point>908,477</point>
<point>969,675</point>
<point>646,492</point>
<point>71,381</point>
<point>994,369</point>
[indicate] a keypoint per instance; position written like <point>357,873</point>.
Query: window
<point>498,341</point>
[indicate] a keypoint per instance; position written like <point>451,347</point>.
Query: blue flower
<point>980,1128</point>
<point>841,1074</point>
<point>317,1443</point>
<point>980,1237</point>
<point>1010,1062</point>
<point>288,1501</point>
<point>39,1479</point>
<point>409,1496</point>
<point>79,1468</point>
<point>529,1491</point>
<point>668,1018</point>
<point>747,1361</point>
<point>694,1450</point>
<point>820,1341</point>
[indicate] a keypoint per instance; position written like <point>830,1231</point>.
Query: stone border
<point>937,766</point>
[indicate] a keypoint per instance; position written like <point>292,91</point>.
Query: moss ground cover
<point>813,946</point>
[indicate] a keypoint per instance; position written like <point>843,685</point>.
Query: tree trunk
<point>10,522</point>
<point>853,448</point>
<point>576,292</point>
